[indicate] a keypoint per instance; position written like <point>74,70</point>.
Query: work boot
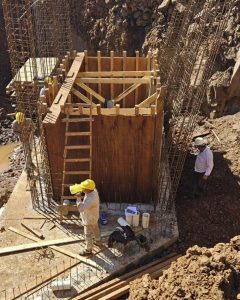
<point>85,252</point>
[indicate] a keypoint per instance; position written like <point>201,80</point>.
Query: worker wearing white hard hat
<point>89,212</point>
<point>203,166</point>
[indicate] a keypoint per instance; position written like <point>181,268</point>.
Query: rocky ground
<point>9,176</point>
<point>203,273</point>
<point>206,271</point>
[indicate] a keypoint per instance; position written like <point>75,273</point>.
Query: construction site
<point>120,98</point>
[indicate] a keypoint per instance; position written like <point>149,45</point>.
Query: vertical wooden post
<point>111,69</point>
<point>136,110</point>
<point>137,69</point>
<point>124,69</point>
<point>67,62</point>
<point>117,109</point>
<point>86,64</point>
<point>148,93</point>
<point>99,70</point>
<point>98,109</point>
<point>153,109</point>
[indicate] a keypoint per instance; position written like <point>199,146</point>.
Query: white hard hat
<point>199,141</point>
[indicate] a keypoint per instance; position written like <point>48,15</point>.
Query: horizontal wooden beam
<point>90,91</point>
<point>58,249</point>
<point>150,100</point>
<point>36,245</point>
<point>115,74</point>
<point>64,91</point>
<point>145,80</point>
<point>108,111</point>
<point>82,97</point>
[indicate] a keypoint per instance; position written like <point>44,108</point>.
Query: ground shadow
<point>214,217</point>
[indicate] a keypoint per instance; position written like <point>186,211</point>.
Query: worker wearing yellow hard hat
<point>89,212</point>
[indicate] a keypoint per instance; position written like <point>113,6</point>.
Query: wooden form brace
<point>64,91</point>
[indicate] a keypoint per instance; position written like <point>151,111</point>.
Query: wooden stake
<point>36,233</point>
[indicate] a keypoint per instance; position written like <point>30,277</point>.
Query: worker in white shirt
<point>89,212</point>
<point>203,167</point>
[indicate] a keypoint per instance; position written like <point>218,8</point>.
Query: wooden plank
<point>145,80</point>
<point>38,244</point>
<point>114,291</point>
<point>81,96</point>
<point>90,91</point>
<point>37,234</point>
<point>58,249</point>
<point>77,120</point>
<point>147,102</point>
<point>111,68</point>
<point>78,147</point>
<point>78,133</point>
<point>127,92</point>
<point>137,68</point>
<point>64,91</point>
<point>76,172</point>
<point>99,71</point>
<point>77,159</point>
<point>115,74</point>
<point>111,111</point>
<point>124,67</point>
<point>112,282</point>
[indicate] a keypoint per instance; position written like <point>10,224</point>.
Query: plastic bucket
<point>129,219</point>
<point>145,220</point>
<point>135,220</point>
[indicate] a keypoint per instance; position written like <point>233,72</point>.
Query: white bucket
<point>129,219</point>
<point>145,220</point>
<point>135,220</point>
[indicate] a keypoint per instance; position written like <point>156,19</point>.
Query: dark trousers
<point>199,184</point>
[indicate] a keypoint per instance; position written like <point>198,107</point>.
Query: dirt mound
<point>201,274</point>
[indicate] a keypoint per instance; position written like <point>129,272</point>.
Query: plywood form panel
<point>122,157</point>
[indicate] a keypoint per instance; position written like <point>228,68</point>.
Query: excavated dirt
<point>203,274</point>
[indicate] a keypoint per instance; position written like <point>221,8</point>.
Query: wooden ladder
<point>82,154</point>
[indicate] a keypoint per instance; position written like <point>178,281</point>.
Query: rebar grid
<point>38,35</point>
<point>199,53</point>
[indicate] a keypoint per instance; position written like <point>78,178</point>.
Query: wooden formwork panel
<point>122,159</point>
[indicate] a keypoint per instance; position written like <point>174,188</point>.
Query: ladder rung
<point>77,133</point>
<point>77,159</point>
<point>67,184</point>
<point>77,120</point>
<point>78,147</point>
<point>76,172</point>
<point>68,197</point>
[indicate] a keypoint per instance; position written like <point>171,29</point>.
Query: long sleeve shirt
<point>204,162</point>
<point>89,208</point>
<point>24,130</point>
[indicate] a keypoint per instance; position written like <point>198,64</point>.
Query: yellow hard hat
<point>48,79</point>
<point>87,184</point>
<point>75,189</point>
<point>20,117</point>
